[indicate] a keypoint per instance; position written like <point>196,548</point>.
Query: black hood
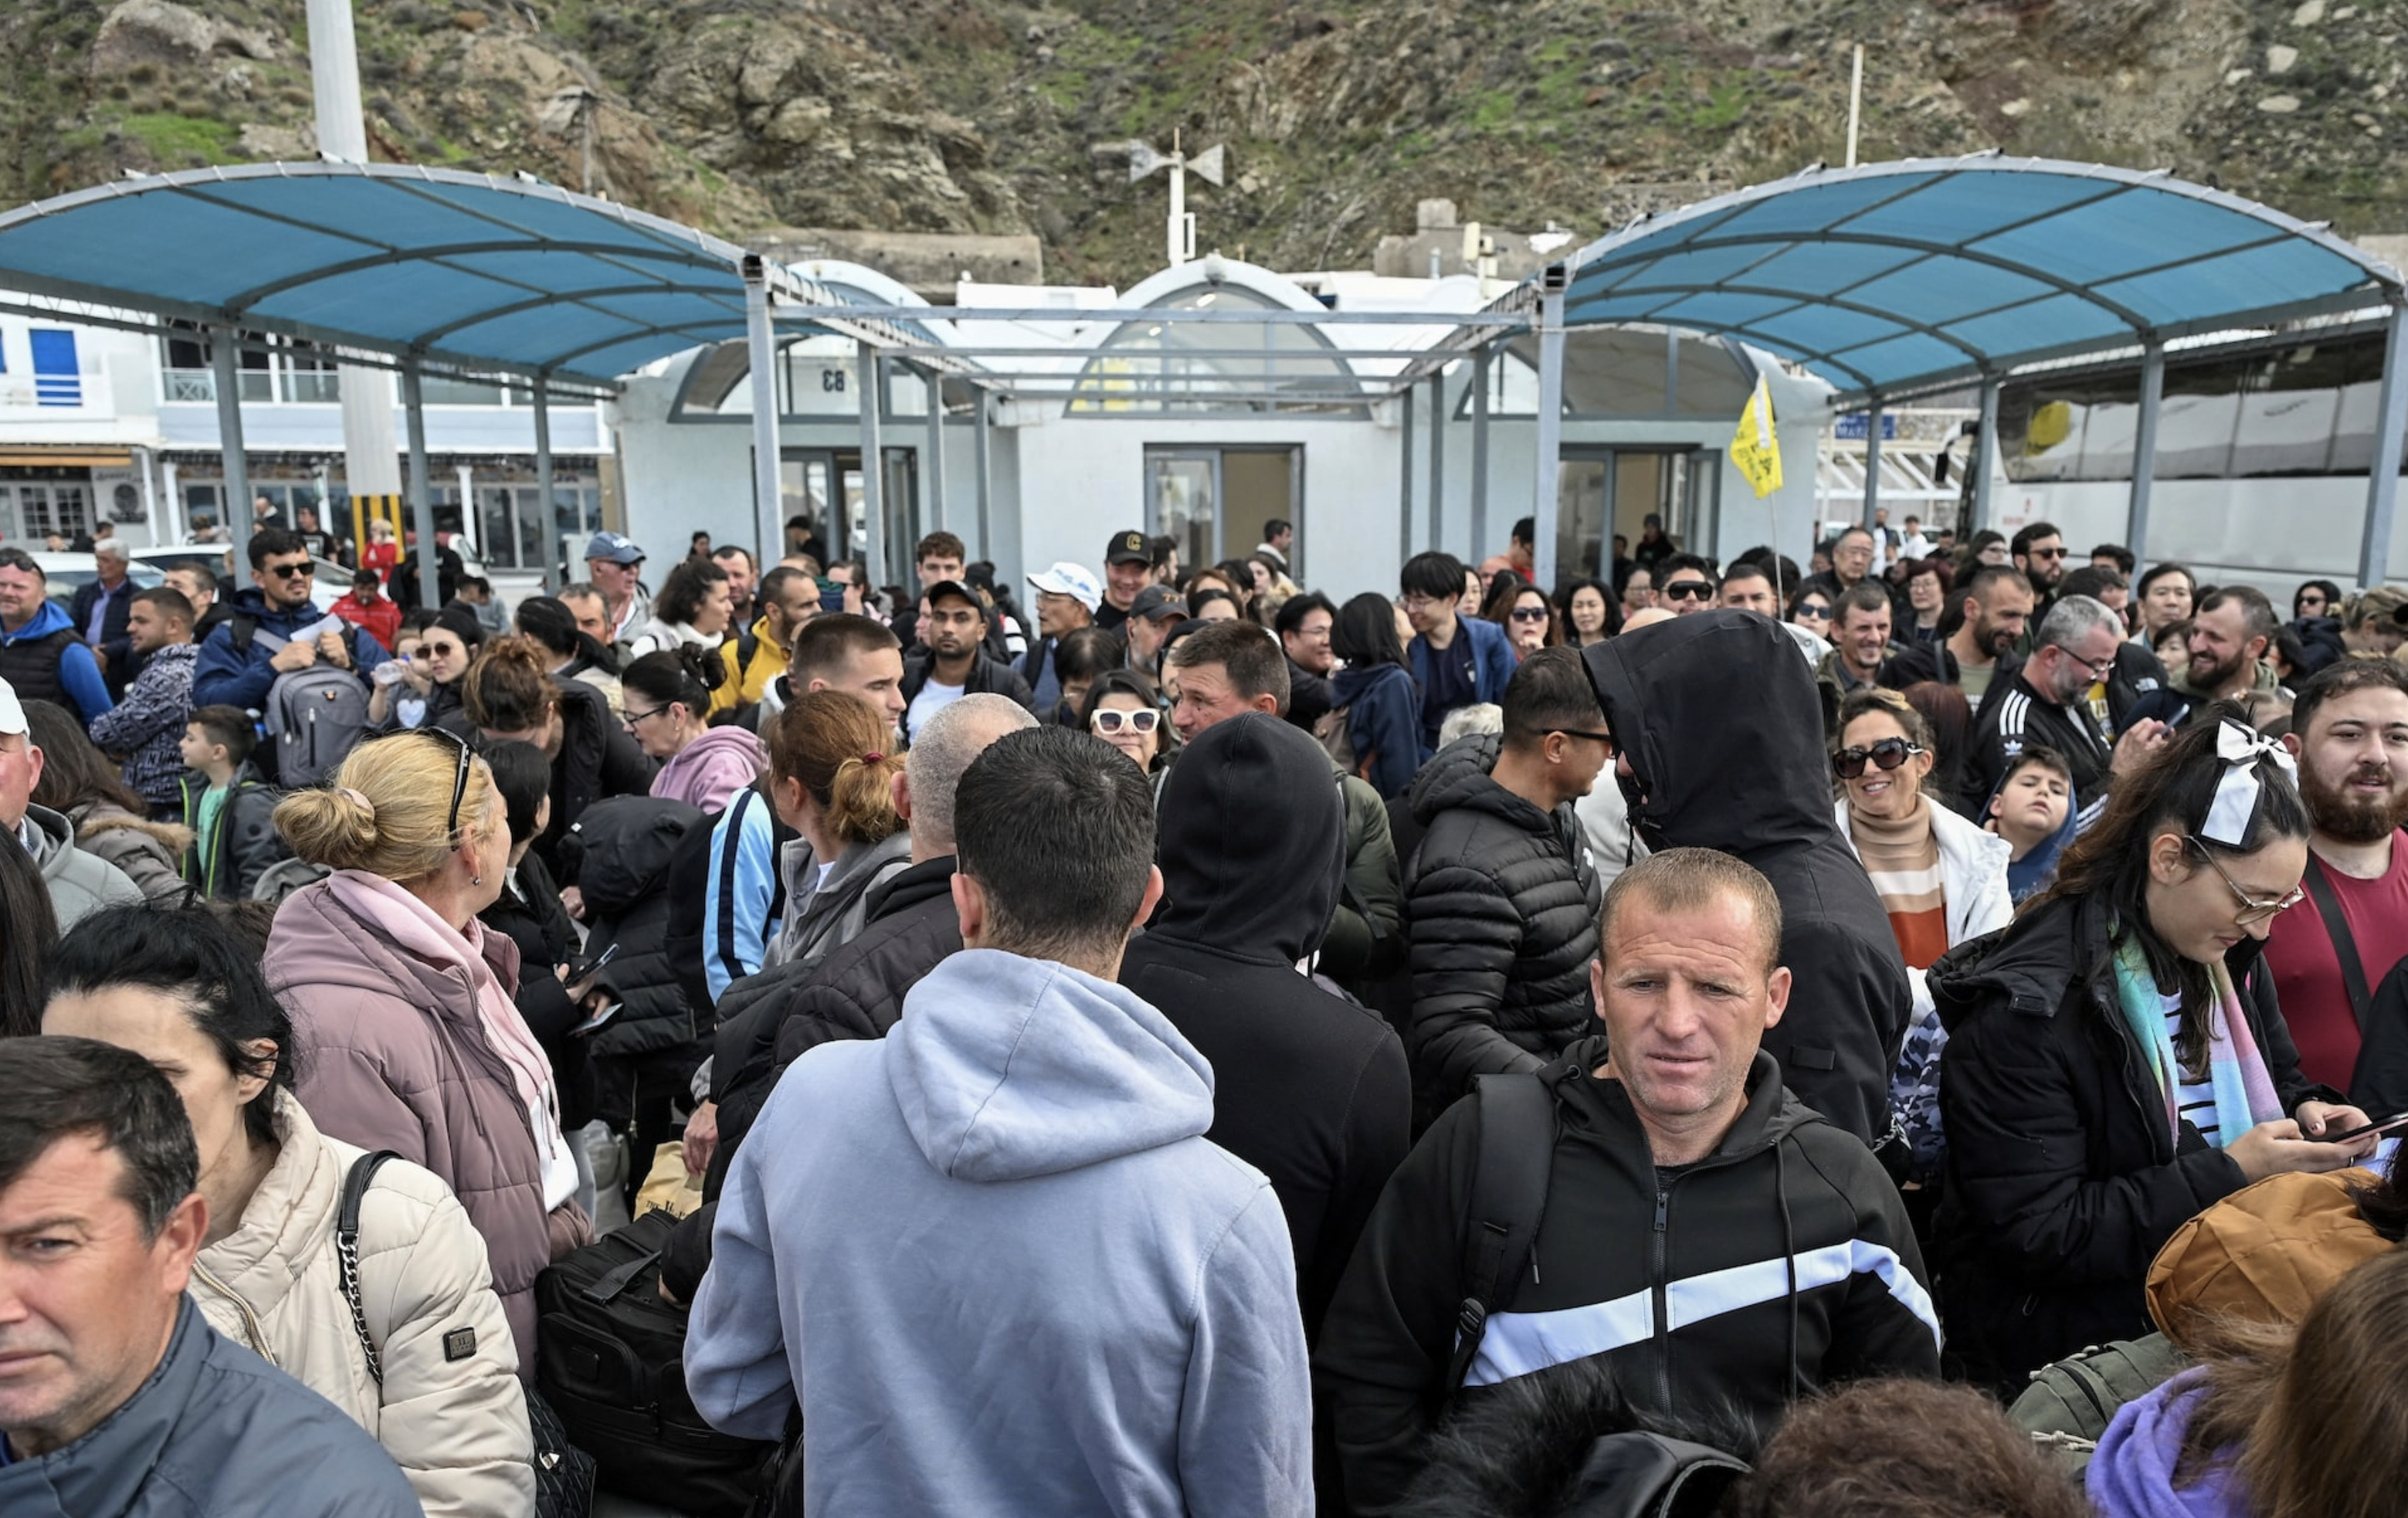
<point>1724,729</point>
<point>1253,842</point>
<point>622,847</point>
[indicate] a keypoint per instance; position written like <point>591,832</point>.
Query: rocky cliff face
<point>978,116</point>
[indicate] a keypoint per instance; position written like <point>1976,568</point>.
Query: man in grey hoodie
<point>1010,1273</point>
<point>79,882</point>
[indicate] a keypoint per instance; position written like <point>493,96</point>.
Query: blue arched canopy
<point>1895,277</point>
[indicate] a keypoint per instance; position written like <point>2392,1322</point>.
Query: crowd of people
<point>1708,1037</point>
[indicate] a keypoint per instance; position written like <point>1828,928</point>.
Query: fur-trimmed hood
<point>99,817</point>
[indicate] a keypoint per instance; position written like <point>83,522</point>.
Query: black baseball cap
<point>1127,548</point>
<point>1158,601</point>
<point>957,589</point>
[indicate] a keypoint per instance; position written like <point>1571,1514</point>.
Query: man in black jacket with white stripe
<point>2045,702</point>
<point>1722,1249</point>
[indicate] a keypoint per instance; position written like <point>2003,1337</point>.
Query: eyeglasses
<point>1888,753</point>
<point>1688,590</point>
<point>1530,613</point>
<point>1812,613</point>
<point>1606,738</point>
<point>631,717</point>
<point>2095,668</point>
<point>1110,720</point>
<point>287,571</point>
<point>2253,909</point>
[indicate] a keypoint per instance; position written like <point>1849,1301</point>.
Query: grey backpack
<point>314,715</point>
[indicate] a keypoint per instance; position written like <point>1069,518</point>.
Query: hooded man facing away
<point>1308,1087</point>
<point>1720,733</point>
<point>1009,1273</point>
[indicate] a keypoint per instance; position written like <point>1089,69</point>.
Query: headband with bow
<point>2236,794</point>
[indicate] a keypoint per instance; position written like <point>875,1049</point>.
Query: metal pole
<point>986,404</point>
<point>761,342</point>
<point>422,498</point>
<point>1856,102</point>
<point>236,517</point>
<point>1984,459</point>
<point>871,372</point>
<point>2383,481</point>
<point>1438,462</point>
<point>1548,485</point>
<point>552,531</point>
<point>370,461</point>
<point>932,473</point>
<point>2144,447</point>
<point>1872,459</point>
<point>1480,362</point>
<point>1405,476</point>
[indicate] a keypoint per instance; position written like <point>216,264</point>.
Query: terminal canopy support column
<point>871,376</point>
<point>1405,476</point>
<point>1984,459</point>
<point>1438,462</point>
<point>551,531</point>
<point>1872,462</point>
<point>1480,362</point>
<point>421,496</point>
<point>767,506</point>
<point>2382,481</point>
<point>933,471</point>
<point>986,405</point>
<point>235,514</point>
<point>1548,486</point>
<point>2145,447</point>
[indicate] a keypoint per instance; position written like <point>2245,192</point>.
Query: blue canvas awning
<point>1893,278</point>
<point>466,271</point>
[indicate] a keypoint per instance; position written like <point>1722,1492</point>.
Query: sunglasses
<point>1888,753</point>
<point>1110,720</point>
<point>288,571</point>
<point>2044,552</point>
<point>1688,590</point>
<point>459,777</point>
<point>2253,909</point>
<point>1530,613</point>
<point>1812,613</point>
<point>1606,738</point>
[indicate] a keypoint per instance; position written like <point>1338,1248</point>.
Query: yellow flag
<point>1755,448</point>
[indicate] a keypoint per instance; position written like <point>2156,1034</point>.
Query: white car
<point>326,587</point>
<point>67,573</point>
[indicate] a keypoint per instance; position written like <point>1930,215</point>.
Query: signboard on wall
<point>117,495</point>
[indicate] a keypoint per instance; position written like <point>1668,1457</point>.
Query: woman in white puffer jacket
<point>182,989</point>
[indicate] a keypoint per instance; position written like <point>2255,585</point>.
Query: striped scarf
<point>2244,1092</point>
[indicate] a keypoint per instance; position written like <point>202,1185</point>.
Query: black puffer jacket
<point>1307,1087</point>
<point>597,759</point>
<point>1502,911</point>
<point>1724,730</point>
<point>2063,1179</point>
<point>622,847</point>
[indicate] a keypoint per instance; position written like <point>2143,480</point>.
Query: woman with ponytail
<point>2115,1059</point>
<point>832,773</point>
<point>667,698</point>
<point>511,695</point>
<point>405,1029</point>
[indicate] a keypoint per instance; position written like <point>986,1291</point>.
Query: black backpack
<point>1508,1197</point>
<point>689,936</point>
<point>745,714</point>
<point>611,1359</point>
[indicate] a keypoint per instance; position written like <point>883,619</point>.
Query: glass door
<point>1184,500</point>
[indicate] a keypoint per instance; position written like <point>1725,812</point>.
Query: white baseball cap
<point>1071,580</point>
<point>12,711</point>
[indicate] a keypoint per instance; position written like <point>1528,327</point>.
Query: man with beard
<point>2349,731</point>
<point>1992,608</point>
<point>2046,701</point>
<point>2039,551</point>
<point>955,662</point>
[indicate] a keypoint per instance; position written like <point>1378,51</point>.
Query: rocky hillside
<point>986,116</point>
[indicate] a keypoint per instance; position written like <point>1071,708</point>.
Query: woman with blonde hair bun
<point>404,1013</point>
<point>833,764</point>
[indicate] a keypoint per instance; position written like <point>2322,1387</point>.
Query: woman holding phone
<point>2116,1062</point>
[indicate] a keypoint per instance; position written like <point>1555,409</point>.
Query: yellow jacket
<point>748,683</point>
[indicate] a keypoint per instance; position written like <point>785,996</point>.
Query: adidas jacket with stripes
<point>2014,716</point>
<point>1777,1266</point>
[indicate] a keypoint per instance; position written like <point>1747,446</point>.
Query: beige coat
<point>457,1426</point>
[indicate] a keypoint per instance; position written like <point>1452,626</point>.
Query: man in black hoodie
<point>1759,788</point>
<point>1307,1087</point>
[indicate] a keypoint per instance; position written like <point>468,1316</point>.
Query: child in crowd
<point>2033,810</point>
<point>230,810</point>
